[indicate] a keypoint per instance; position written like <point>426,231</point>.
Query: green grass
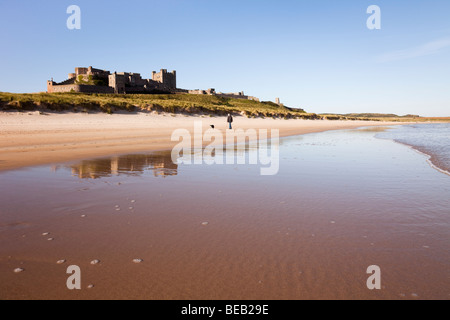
<point>170,103</point>
<point>175,104</point>
<point>92,81</point>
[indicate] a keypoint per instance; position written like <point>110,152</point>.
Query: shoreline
<point>31,139</point>
<point>430,158</point>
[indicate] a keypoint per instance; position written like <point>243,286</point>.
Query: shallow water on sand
<point>341,202</point>
<point>432,139</point>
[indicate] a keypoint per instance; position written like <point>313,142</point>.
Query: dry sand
<point>34,139</point>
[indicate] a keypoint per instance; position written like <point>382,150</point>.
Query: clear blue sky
<point>318,55</point>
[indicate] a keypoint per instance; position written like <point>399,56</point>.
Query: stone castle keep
<point>91,80</point>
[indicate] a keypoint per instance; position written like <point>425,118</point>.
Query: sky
<point>317,55</point>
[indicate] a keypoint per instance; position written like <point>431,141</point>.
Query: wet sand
<point>32,139</point>
<point>341,202</point>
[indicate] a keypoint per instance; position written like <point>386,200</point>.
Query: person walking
<point>229,120</point>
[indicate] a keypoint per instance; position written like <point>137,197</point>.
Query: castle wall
<point>79,71</point>
<point>78,88</point>
<point>233,96</point>
<point>95,89</point>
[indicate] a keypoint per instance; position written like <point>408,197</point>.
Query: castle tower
<point>167,79</point>
<point>50,86</point>
<point>117,82</point>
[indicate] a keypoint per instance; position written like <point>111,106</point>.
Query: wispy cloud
<point>426,49</point>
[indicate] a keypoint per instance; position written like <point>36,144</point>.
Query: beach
<point>142,227</point>
<point>31,138</point>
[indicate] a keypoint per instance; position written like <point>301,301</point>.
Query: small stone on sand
<point>94,262</point>
<point>46,233</point>
<point>18,270</point>
<point>133,201</point>
<point>50,239</point>
<point>137,260</point>
<point>205,223</point>
<point>61,261</point>
<point>90,286</point>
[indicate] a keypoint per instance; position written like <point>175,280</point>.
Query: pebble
<point>131,208</point>
<point>117,206</point>
<point>117,209</point>
<point>18,270</point>
<point>61,261</point>
<point>50,239</point>
<point>138,260</point>
<point>93,262</point>
<point>46,233</point>
<point>205,223</point>
<point>90,286</point>
<point>333,222</point>
<point>426,247</point>
<point>133,201</point>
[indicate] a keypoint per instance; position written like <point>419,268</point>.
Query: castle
<point>91,80</point>
<point>238,95</point>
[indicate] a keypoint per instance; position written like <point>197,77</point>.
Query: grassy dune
<point>175,103</point>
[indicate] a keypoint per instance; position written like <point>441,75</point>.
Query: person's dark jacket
<point>230,119</point>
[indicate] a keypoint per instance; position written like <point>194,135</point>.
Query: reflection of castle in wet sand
<point>160,163</point>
